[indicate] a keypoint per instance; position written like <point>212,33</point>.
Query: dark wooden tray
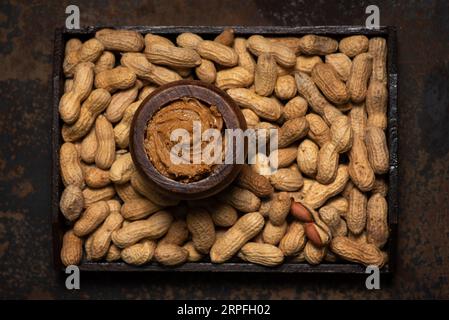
<point>59,224</point>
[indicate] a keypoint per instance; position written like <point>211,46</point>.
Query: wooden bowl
<point>223,174</point>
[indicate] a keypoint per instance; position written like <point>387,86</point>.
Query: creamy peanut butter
<point>181,114</point>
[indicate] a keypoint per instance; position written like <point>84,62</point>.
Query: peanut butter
<point>181,114</point>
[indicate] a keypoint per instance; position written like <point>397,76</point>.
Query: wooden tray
<point>59,225</point>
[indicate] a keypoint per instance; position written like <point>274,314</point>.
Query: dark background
<point>26,35</point>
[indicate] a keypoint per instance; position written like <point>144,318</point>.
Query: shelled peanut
<point>327,200</point>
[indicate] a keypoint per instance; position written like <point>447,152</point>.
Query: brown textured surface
<point>26,35</point>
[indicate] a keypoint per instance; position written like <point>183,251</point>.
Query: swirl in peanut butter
<point>181,114</point>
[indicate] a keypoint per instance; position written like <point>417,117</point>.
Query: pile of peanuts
<point>326,202</point>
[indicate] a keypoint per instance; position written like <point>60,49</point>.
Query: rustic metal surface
<point>26,269</point>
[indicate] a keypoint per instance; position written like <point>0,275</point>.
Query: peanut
<point>138,209</point>
<point>308,89</point>
<point>285,88</point>
<point>71,58</point>
<point>316,234</point>
<point>319,131</point>
<point>245,58</point>
<point>218,53</point>
<point>332,219</point>
<point>222,214</point>
<point>172,56</point>
<point>366,254</point>
<point>307,63</point>
<point>295,108</point>
<point>170,254</point>
<point>313,44</point>
<point>353,45</point>
<point>70,103</point>
<point>235,237</point>
<point>360,73</point>
<point>319,193</point>
<point>105,152</point>
<point>264,107</point>
<point>149,191</point>
<point>113,253</point>
<point>91,218</point>
<point>120,101</point>
<point>126,192</point>
<point>115,79</point>
<point>261,253</point>
<point>286,179</point>
<point>226,37</point>
<point>341,64</point>
<point>292,130</point>
<point>70,165</point>
<point>254,182</point>
<point>122,129</point>
<point>265,75</point>
<point>273,234</point>
<point>294,239</point>
<point>94,195</point>
<point>286,156</point>
<point>207,72</point>
<point>96,177</point>
<point>177,233</point>
<point>300,212</point>
<point>378,50</point>
<point>72,202</point>
<point>194,255</point>
<point>279,209</point>
<point>72,249</point>
<point>97,101</point>
<point>188,40</point>
<point>283,55</point>
<point>376,220</point>
<point>313,254</point>
<point>201,226</point>
<point>376,145</point>
<point>380,186</point>
<point>139,253</point>
<point>236,77</point>
<point>307,157</point>
<point>359,167</point>
<point>376,104</point>
<point>151,228</point>
<point>241,199</point>
<point>326,78</point>
<point>105,62</point>
<point>357,117</point>
<point>120,40</point>
<point>292,43</point>
<point>145,70</point>
<point>101,238</point>
<point>356,216</point>
<point>145,91</point>
<point>122,169</point>
<point>252,119</point>
<point>89,147</point>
